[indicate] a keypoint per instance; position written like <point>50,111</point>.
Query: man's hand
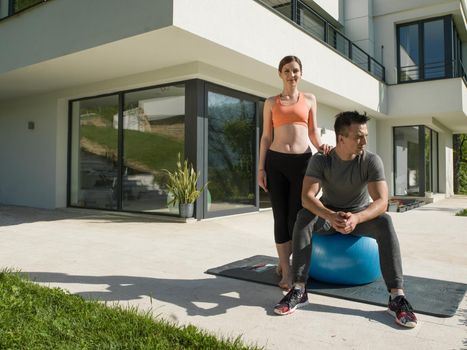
<point>344,222</point>
<point>338,221</point>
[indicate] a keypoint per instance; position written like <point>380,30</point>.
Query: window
<point>231,151</point>
<point>415,160</point>
<point>118,154</point>
<point>428,49</point>
<point>121,143</point>
<point>153,136</point>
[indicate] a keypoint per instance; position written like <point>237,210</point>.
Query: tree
<point>460,163</point>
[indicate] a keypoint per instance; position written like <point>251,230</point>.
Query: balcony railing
<point>431,71</point>
<point>10,8</point>
<point>318,27</point>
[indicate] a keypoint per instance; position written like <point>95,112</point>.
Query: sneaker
<point>294,299</point>
<point>401,309</point>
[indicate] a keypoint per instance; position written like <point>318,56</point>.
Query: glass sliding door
<point>231,151</point>
<point>153,136</point>
<point>94,153</point>
<point>120,145</point>
<point>416,160</point>
<point>407,160</point>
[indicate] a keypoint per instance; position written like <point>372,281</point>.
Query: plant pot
<point>186,210</point>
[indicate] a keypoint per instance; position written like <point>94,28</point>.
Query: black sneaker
<point>401,309</point>
<point>294,299</point>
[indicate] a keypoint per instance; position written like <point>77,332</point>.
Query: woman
<point>289,126</point>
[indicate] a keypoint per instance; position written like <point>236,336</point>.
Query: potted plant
<point>181,185</point>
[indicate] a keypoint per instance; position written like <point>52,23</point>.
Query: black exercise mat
<point>427,296</point>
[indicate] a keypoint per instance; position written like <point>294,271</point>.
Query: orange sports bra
<point>296,113</point>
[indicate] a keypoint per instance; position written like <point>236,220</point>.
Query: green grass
<point>463,212</point>
<point>36,317</point>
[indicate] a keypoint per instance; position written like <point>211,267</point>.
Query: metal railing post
<point>294,9</point>
<point>11,7</point>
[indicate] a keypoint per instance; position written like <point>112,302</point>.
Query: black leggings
<point>284,174</point>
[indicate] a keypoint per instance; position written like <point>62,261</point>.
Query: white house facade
<point>97,98</point>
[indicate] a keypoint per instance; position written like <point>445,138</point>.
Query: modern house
<point>98,97</point>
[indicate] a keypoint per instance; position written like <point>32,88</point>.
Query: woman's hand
<point>262,180</point>
<point>325,148</point>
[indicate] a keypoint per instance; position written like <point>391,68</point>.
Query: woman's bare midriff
<point>291,138</point>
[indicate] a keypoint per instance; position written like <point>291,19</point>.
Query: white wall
<point>62,27</point>
<point>28,157</point>
<point>332,7</point>
<point>358,22</point>
<point>323,69</point>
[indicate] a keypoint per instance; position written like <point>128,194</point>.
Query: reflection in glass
<point>428,181</point>
<point>433,41</point>
<point>231,152</point>
<point>154,134</point>
<point>409,52</point>
<point>434,160</point>
<point>407,170</point>
<point>94,153</point>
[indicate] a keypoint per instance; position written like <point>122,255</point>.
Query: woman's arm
<point>313,133</point>
<point>265,143</point>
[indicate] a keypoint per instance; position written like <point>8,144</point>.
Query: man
<point>348,176</point>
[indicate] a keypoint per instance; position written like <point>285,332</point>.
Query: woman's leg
<point>278,188</point>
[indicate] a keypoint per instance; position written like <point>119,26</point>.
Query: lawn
<point>37,317</point>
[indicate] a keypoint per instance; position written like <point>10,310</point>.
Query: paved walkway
<point>160,266</point>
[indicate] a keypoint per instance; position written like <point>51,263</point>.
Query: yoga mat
<point>427,296</point>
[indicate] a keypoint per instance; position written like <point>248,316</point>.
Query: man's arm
<point>378,191</point>
<point>310,190</point>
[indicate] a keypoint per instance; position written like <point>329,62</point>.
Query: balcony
<point>318,27</point>
<point>431,71</point>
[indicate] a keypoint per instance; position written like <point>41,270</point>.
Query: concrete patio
<point>136,260</point>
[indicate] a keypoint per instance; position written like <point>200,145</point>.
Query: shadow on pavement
<point>15,215</point>
<point>199,297</point>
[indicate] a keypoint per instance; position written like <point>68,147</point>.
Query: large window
<point>94,153</point>
<point>231,150</point>
<point>118,154</point>
<point>153,136</point>
<point>428,49</point>
<point>416,160</point>
<point>121,143</point>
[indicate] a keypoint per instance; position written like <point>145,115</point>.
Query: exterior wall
<point>358,24</point>
<point>322,66</point>
<point>87,24</point>
<point>332,7</point>
<point>29,157</point>
<point>436,97</point>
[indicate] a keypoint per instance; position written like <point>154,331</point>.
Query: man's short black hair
<point>345,119</point>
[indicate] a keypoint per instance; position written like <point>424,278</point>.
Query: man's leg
<point>382,230</point>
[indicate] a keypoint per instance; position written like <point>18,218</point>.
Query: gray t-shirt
<point>344,182</point>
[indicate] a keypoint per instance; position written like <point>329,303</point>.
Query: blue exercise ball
<point>344,259</point>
